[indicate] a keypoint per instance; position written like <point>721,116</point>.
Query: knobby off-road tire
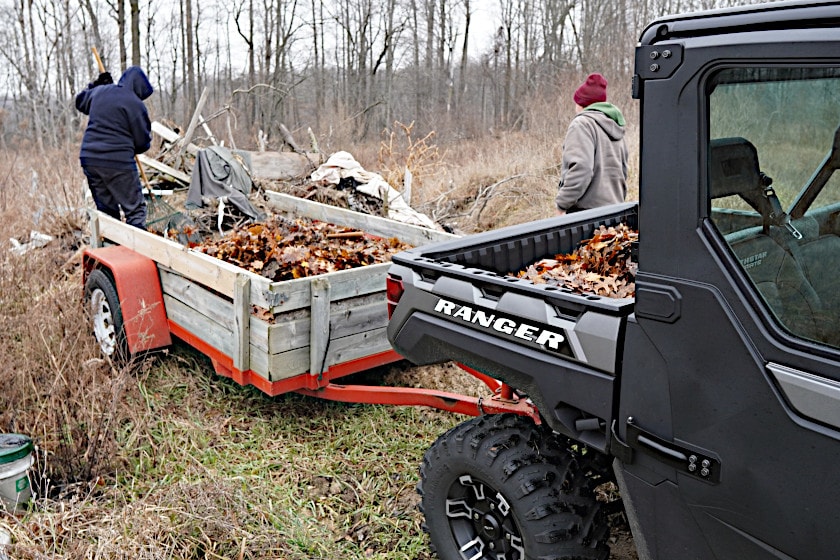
<point>500,487</point>
<point>106,316</point>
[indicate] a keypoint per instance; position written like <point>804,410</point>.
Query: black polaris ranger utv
<point>712,398</point>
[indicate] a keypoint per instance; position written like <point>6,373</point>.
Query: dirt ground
<point>621,545</point>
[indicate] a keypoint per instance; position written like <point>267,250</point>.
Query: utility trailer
<point>295,335</point>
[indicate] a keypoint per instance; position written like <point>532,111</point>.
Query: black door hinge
<point>688,461</point>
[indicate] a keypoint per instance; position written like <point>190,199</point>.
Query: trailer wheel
<point>106,315</point>
<point>501,487</point>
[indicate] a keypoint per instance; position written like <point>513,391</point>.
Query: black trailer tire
<point>106,316</point>
<point>501,487</point>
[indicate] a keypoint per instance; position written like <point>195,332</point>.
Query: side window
<point>774,189</point>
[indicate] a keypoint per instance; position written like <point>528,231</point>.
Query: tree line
<point>360,64</point>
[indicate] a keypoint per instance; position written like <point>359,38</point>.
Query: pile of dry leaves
<point>284,249</point>
<point>600,266</point>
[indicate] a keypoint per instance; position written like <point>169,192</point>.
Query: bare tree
<point>118,14</point>
<point>94,28</point>
<point>135,32</point>
<point>462,90</point>
<point>189,58</point>
<point>248,36</point>
<point>317,26</point>
<point>365,62</point>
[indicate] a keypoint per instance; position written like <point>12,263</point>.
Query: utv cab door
<point>730,397</point>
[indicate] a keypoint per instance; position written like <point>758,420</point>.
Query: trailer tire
<point>502,487</point>
<point>106,316</point>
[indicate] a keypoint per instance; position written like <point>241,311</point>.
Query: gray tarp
<point>218,174</point>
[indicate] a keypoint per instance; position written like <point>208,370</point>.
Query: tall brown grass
<point>55,386</point>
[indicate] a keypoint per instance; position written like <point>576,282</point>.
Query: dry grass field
<point>163,459</point>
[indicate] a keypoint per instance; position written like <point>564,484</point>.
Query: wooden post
<point>95,241</point>
<point>406,194</point>
<point>193,123</point>
<point>208,131</point>
<point>319,325</point>
<point>242,323</point>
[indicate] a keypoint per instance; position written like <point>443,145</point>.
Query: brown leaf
<point>599,265</point>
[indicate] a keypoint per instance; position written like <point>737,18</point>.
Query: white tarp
<point>341,165</point>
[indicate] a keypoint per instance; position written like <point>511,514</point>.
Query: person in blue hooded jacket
<point>118,129</point>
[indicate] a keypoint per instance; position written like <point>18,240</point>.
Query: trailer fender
<point>141,298</point>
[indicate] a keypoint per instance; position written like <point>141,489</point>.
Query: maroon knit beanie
<point>593,90</point>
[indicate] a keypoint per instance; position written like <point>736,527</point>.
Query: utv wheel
<point>106,316</point>
<point>500,487</point>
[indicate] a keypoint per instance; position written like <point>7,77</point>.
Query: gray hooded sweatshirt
<point>593,172</point>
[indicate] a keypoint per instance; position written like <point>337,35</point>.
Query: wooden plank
<point>280,165</point>
<point>202,99</point>
<point>198,324</point>
<point>241,321</point>
<point>196,266</point>
<point>279,366</point>
<point>291,330</point>
<point>295,294</point>
<point>295,362</point>
<point>293,333</point>
<point>376,225</point>
<point>171,136</point>
<point>358,346</point>
<point>319,327</point>
<point>95,239</point>
<point>213,306</point>
<point>207,130</point>
<point>165,169</point>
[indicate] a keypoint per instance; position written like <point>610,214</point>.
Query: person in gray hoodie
<point>593,171</point>
<point>118,129</point>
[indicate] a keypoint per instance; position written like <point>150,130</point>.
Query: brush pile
<point>601,265</point>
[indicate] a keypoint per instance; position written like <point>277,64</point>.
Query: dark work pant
<point>115,189</point>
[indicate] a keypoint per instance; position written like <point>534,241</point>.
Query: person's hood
<point>135,79</point>
<point>608,109</point>
<point>608,117</point>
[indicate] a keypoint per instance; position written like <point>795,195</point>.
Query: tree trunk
<point>120,15</point>
<point>189,105</point>
<point>318,67</point>
<point>462,89</point>
<point>135,32</point>
<point>97,35</point>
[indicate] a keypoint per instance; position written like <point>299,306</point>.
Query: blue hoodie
<point>119,126</point>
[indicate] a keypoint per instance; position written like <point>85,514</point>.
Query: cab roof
<point>792,14</point>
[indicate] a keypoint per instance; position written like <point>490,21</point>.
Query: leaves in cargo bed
<point>600,265</point>
<point>284,249</point>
